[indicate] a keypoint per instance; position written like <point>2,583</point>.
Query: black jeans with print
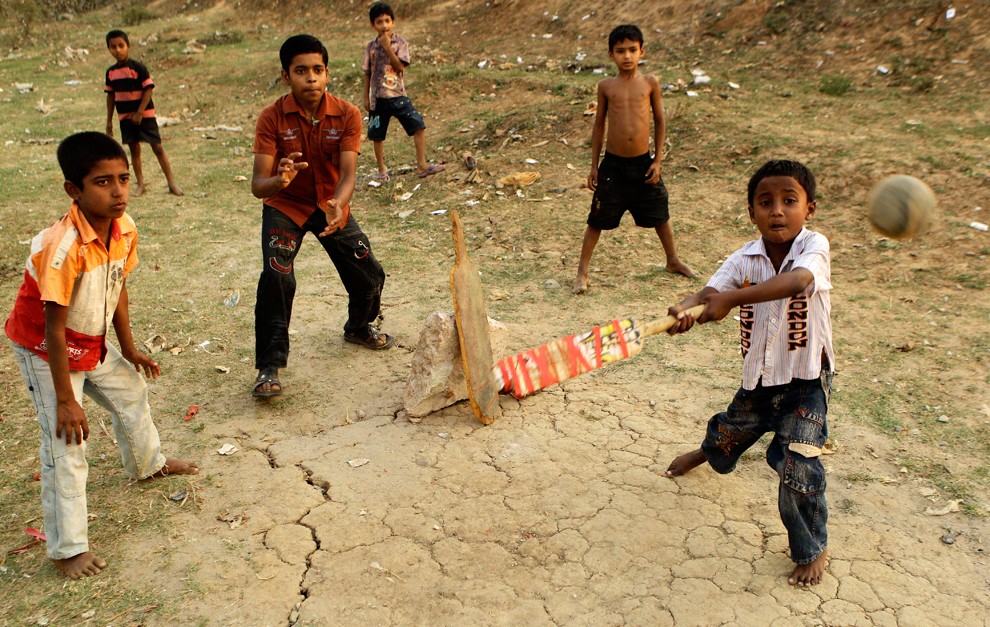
<point>350,251</point>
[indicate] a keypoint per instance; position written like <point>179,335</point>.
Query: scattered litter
<point>193,410</point>
<point>472,203</point>
<point>443,434</point>
<point>240,179</point>
<point>960,62</point>
<point>598,70</point>
<point>355,463</point>
<point>913,122</point>
<point>733,85</point>
<point>702,80</point>
<point>950,13</point>
<point>570,166</point>
<point>382,569</point>
<point>88,614</point>
<point>234,520</point>
<point>227,449</point>
<point>202,345</point>
<point>692,94</point>
<point>483,64</point>
<point>24,88</point>
<point>591,110</point>
<point>218,127</point>
<point>194,47</point>
<point>950,507</point>
<point>551,284</point>
<point>468,160</point>
<point>405,197</point>
<point>418,185</point>
<point>179,496</point>
<point>532,162</point>
<point>222,369</point>
<point>232,299</point>
<point>927,492</point>
<point>405,214</point>
<point>907,346</point>
<point>882,69</point>
<point>73,83</point>
<point>44,108</point>
<point>438,212</point>
<point>520,179</point>
<point>943,418</point>
<point>542,143</point>
<point>979,226</point>
<point>34,533</point>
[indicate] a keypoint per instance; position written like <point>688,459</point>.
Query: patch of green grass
<point>136,14</point>
<point>835,85</point>
<point>972,281</point>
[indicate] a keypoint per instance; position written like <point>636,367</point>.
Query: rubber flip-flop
<point>430,171</point>
<point>373,340</point>
<point>271,378</point>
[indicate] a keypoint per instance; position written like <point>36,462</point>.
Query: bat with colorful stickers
<point>565,358</point>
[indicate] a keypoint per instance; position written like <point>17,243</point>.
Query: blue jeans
<point>116,387</point>
<point>350,251</point>
<point>795,413</point>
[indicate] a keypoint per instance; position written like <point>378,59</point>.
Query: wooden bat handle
<point>655,327</point>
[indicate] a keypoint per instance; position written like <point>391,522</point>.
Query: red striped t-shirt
<point>127,82</point>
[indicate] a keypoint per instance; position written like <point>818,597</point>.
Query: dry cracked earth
<point>556,514</point>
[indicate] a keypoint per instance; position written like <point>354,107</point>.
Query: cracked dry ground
<point>555,514</point>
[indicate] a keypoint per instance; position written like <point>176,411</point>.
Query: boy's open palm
<point>72,422</point>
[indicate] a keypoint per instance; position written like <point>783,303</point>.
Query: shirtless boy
<point>628,178</point>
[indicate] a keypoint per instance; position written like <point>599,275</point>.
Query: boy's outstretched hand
<point>288,168</point>
<point>335,218</point>
<point>72,422</point>
<point>142,362</point>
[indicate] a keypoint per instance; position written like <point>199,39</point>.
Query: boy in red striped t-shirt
<point>74,288</point>
<point>128,87</point>
<point>781,283</point>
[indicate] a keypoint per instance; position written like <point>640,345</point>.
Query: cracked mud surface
<point>556,514</point>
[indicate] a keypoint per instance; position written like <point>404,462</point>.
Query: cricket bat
<point>565,358</point>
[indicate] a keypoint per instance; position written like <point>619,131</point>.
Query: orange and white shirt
<point>789,338</point>
<point>70,266</point>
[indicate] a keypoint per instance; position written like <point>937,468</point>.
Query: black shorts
<point>400,108</point>
<point>622,187</point>
<point>147,131</point>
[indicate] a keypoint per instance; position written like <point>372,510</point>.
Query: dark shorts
<point>400,108</point>
<point>622,187</point>
<point>146,132</point>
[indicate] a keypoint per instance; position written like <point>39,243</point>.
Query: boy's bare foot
<point>78,566</point>
<point>806,575</point>
<point>676,266</point>
<point>685,463</point>
<point>580,285</point>
<point>175,191</point>
<point>138,191</point>
<point>176,467</point>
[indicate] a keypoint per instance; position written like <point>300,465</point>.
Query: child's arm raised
<point>784,285</point>
<point>598,136</point>
<point>71,418</point>
<point>110,105</point>
<point>122,326</point>
<point>385,39</point>
<point>659,131</point>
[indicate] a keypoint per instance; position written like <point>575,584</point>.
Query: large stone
<point>437,379</point>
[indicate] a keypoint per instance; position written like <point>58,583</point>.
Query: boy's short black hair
<point>625,32</point>
<point>114,34</point>
<point>378,9</point>
<point>77,154</point>
<point>301,44</point>
<point>782,167</point>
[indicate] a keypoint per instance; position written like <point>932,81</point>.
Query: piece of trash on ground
<point>979,226</point>
<point>234,520</point>
<point>222,369</point>
<point>374,183</point>
<point>240,179</point>
<point>438,212</point>
<point>193,410</point>
<point>405,214</point>
<point>520,179</point>
<point>405,197</point>
<point>179,496</point>
<point>950,507</point>
<point>232,299</point>
<point>227,449</point>
<point>354,463</point>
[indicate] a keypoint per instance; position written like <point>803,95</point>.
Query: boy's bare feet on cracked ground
<point>684,463</point>
<point>176,467</point>
<point>580,285</point>
<point>679,267</point>
<point>807,575</point>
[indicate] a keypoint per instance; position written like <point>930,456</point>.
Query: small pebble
<point>943,418</point>
<point>948,539</point>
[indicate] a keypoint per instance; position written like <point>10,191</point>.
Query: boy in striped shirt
<point>781,284</point>
<point>128,87</point>
<point>74,289</point>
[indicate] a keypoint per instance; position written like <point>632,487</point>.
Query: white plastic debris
<point>354,463</point>
<point>483,64</point>
<point>227,449</point>
<point>979,226</point>
<point>374,184</point>
<point>950,13</point>
<point>702,80</point>
<point>692,94</point>
<point>733,85</point>
<point>438,212</point>
<point>883,69</point>
<point>405,196</point>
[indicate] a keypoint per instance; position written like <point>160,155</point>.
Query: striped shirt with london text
<point>789,338</point>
